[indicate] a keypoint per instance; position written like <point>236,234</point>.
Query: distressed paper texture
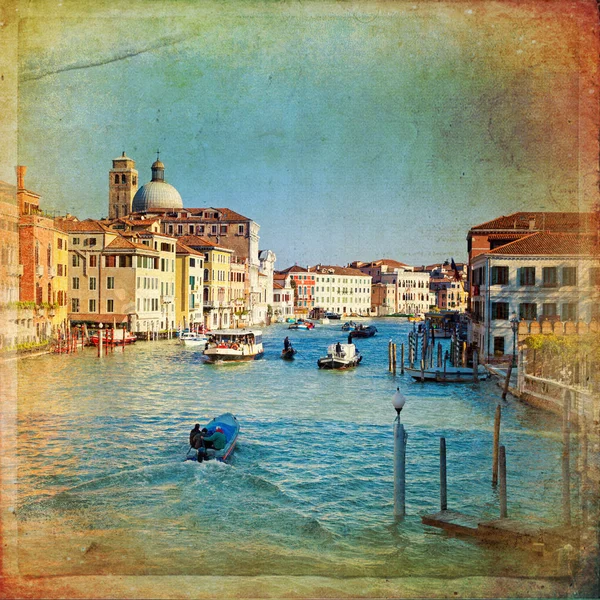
<point>416,119</point>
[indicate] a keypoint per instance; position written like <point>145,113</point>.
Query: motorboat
<point>230,427</point>
<point>234,345</point>
<point>448,374</point>
<point>301,324</point>
<point>113,337</point>
<point>333,316</point>
<point>340,356</point>
<point>363,332</point>
<point>348,325</point>
<point>193,339</point>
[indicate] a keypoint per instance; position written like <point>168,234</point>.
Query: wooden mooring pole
<point>497,418</point>
<point>502,487</point>
<point>475,366</point>
<point>566,459</point>
<point>390,356</point>
<point>394,357</point>
<point>507,381</point>
<point>443,480</point>
<point>402,359</point>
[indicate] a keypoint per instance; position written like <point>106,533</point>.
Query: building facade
<point>540,277</point>
<point>189,286</point>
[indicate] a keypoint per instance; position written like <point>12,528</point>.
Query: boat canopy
<point>348,350</point>
<point>236,335</point>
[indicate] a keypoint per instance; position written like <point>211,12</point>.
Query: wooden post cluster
<point>507,381</point>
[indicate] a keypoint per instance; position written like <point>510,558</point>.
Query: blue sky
<point>348,131</point>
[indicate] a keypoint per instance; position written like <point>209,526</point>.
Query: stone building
<point>43,254</point>
<point>189,273</point>
<point>122,187</point>
<point>10,269</point>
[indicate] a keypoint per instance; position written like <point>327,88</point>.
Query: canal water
<point>309,491</point>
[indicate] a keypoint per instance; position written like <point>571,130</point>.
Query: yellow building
<point>189,283</point>
<point>216,299</point>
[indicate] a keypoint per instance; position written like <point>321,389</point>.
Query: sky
<point>346,130</point>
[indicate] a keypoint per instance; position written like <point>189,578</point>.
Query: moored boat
<point>114,337</point>
<point>340,356</point>
<point>448,374</point>
<point>301,324</point>
<point>234,345</point>
<point>230,427</point>
<point>363,332</point>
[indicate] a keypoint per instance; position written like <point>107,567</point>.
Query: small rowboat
<point>231,428</point>
<point>449,374</point>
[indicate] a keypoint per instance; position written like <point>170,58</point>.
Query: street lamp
<point>398,401</point>
<point>514,324</point>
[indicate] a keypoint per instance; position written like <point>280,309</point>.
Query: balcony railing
<point>166,299</point>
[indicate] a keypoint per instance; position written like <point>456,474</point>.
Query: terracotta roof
<point>336,270</point>
<point>294,269</point>
<point>200,242</point>
<point>282,276</point>
<point>507,235</point>
<point>226,213</point>
<point>540,221</point>
<point>88,225</point>
<point>277,286</point>
<point>555,244</point>
<point>183,249</point>
<point>120,243</point>
<point>389,262</point>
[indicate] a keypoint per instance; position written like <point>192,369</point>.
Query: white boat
<point>193,339</point>
<point>448,374</point>
<point>340,356</point>
<point>324,321</point>
<point>234,345</point>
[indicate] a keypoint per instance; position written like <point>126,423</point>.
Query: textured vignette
<point>92,586</point>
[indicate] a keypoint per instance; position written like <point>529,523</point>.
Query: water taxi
<point>340,356</point>
<point>230,427</point>
<point>234,345</point>
<point>193,339</point>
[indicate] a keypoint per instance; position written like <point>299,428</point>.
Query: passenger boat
<point>342,357</point>
<point>363,332</point>
<point>193,339</point>
<point>288,354</point>
<point>415,318</point>
<point>448,374</point>
<point>234,345</point>
<point>231,428</point>
<point>114,337</point>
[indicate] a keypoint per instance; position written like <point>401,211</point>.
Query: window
<point>92,283</point>
<point>171,229</point>
<point>241,230</point>
<point>549,277</point>
<point>528,311</point>
<point>123,178</point>
<point>92,305</point>
<point>213,229</point>
<point>59,243</point>
<point>116,178</point>
<point>595,276</point>
<point>549,309</point>
<point>74,305</point>
<point>569,311</point>
<point>499,276</point>
<point>93,260</point>
<point>75,285</point>
<point>179,229</point>
<point>192,262</point>
<point>111,261</point>
<point>498,346</point>
<point>500,310</point>
<point>75,241</point>
<point>110,283</point>
<point>569,276</point>
<point>76,260</point>
<point>527,276</point>
<point>89,242</point>
<point>191,229</point>
<point>110,305</point>
<point>223,229</point>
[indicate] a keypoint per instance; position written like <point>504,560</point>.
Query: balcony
<point>39,270</point>
<point>19,272</point>
<point>165,299</point>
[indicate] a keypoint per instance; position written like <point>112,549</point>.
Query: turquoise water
<point>309,490</point>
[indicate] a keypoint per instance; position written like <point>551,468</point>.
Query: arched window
<point>37,253</point>
<point>117,178</point>
<point>49,255</point>
<point>206,277</point>
<point>123,179</point>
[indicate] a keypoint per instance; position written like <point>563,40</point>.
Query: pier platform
<point>506,531</point>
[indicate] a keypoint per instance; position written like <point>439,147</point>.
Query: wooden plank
<point>452,521</point>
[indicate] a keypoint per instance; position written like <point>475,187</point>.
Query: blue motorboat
<point>231,428</point>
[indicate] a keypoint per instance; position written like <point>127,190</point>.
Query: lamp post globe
<point>398,401</point>
<point>100,325</point>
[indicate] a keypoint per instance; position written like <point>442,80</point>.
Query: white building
<point>542,276</point>
<point>283,297</point>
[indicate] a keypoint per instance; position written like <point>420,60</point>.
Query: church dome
<point>156,194</point>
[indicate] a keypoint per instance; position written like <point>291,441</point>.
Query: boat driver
<point>218,440</point>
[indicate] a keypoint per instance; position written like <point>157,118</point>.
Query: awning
<point>108,318</point>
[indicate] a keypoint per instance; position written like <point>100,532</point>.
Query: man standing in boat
<point>286,343</point>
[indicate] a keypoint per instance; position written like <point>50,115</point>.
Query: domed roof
<point>156,194</point>
<point>157,164</point>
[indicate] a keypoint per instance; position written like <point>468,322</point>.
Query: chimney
<point>21,176</point>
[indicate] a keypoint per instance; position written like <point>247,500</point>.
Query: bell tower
<point>122,186</point>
